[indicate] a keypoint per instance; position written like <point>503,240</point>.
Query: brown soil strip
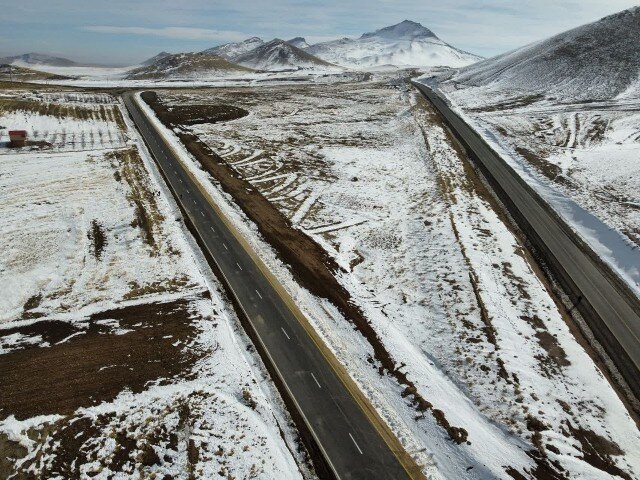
<point>96,364</point>
<point>311,266</point>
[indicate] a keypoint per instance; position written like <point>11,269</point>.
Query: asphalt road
<point>350,443</point>
<point>616,308</point>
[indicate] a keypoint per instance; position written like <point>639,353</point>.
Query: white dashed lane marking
<point>354,442</point>
<point>317,382</point>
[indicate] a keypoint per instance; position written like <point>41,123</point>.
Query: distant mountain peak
<point>405,44</point>
<point>405,30</point>
<point>187,65</point>
<point>34,58</point>
<point>231,51</point>
<point>299,42</point>
<point>155,58</point>
<point>280,55</point>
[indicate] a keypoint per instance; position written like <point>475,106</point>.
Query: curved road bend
<point>616,309</point>
<point>350,443</point>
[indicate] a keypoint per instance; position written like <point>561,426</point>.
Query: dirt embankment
<point>312,267</point>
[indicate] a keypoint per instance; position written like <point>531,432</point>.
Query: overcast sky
<point>128,31</point>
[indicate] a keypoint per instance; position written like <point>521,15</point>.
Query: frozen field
<point>119,354</point>
<point>370,174</point>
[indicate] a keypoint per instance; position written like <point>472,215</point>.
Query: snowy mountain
<point>407,44</point>
<point>299,42</point>
<point>231,51</point>
<point>597,61</point>
<point>280,55</point>
<point>187,66</point>
<point>37,59</point>
<point>155,58</point>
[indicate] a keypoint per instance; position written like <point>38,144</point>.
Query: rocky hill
<point>188,66</point>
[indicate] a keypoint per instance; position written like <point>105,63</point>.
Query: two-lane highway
<point>350,443</point>
<point>611,309</point>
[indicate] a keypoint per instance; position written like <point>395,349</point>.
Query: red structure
<point>17,138</point>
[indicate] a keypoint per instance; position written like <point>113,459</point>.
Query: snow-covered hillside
<point>405,44</point>
<point>280,55</point>
<point>231,51</point>
<point>597,61</point>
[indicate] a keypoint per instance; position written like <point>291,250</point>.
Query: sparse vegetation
<point>147,215</point>
<point>98,238</point>
<point>248,399</point>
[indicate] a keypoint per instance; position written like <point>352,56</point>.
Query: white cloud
<point>182,33</point>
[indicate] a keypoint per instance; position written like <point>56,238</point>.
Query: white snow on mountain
<point>407,44</point>
<point>231,51</point>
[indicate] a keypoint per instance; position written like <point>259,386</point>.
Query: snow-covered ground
<point>564,113</point>
<point>320,75</point>
<point>89,244</point>
<point>370,174</point>
<point>66,120</point>
<point>582,158</point>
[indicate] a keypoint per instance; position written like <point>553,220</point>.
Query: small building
<point>18,138</point>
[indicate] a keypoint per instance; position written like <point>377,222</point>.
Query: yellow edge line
<point>414,471</point>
